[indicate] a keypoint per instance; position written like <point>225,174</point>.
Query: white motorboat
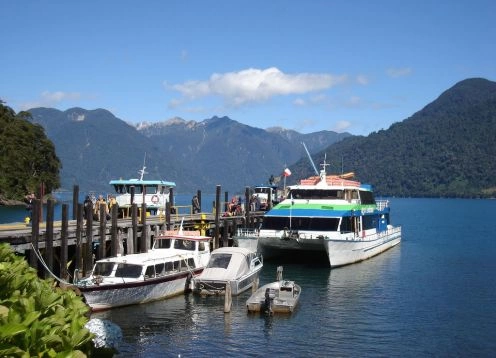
<point>276,297</point>
<point>164,271</point>
<point>234,266</point>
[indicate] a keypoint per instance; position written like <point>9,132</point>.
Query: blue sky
<point>355,66</point>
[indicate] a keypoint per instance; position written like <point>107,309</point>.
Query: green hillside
<point>27,156</point>
<point>448,149</point>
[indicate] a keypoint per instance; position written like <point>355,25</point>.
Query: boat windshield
<point>184,245</point>
<point>219,261</point>
<point>299,223</point>
<point>262,190</point>
<point>138,189</point>
<point>162,244</point>
<point>128,270</point>
<point>103,268</point>
<point>316,194</point>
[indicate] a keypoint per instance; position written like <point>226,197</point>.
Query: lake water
<point>434,295</point>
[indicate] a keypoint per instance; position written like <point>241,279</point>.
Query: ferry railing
<point>382,204</point>
<point>247,232</point>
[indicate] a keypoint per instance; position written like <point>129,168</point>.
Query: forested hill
<point>447,149</point>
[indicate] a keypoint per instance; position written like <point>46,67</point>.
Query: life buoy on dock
<point>155,199</point>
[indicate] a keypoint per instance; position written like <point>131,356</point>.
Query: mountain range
<point>94,147</point>
<point>448,148</point>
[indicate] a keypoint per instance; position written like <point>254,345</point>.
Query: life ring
<point>155,199</point>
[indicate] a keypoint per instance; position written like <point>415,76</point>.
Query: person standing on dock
<point>99,202</point>
<point>195,203</point>
<point>29,204</point>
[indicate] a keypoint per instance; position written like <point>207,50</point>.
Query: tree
<point>27,156</point>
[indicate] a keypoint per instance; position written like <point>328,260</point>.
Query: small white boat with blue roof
<point>155,194</point>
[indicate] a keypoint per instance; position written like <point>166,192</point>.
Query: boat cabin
<point>154,193</point>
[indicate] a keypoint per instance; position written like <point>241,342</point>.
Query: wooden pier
<point>60,248</point>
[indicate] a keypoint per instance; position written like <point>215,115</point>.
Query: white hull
<point>238,286</point>
<point>109,296</point>
<point>341,249</point>
<point>342,253</point>
<point>282,302</point>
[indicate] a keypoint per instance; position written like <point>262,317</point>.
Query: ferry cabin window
<point>317,224</point>
<point>103,268</point>
<point>316,194</point>
<point>128,270</point>
<point>370,222</point>
<point>367,197</point>
<point>219,261</point>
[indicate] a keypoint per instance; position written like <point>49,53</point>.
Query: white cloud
<point>398,72</point>
<point>50,99</point>
<point>341,126</point>
<point>255,85</point>
<point>362,80</point>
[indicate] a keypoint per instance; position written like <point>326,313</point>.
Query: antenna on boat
<point>309,157</point>
<point>323,171</point>
<point>181,227</point>
<point>142,171</point>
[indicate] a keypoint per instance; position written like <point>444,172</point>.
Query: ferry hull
<point>340,249</point>
<point>342,252</point>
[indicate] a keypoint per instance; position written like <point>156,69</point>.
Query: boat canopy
<point>228,263</point>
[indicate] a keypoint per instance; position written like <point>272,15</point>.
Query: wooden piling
<point>79,237</point>
<point>143,240</point>
<point>75,201</point>
<point>247,204</point>
<point>35,233</point>
<point>217,215</point>
<point>225,234</point>
<point>88,245</point>
<point>254,288</point>
<point>102,230</point>
<point>114,239</point>
<point>64,274</point>
<point>49,238</point>
<point>228,298</point>
<point>134,221</point>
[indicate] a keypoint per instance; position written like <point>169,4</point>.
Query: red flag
<point>286,172</point>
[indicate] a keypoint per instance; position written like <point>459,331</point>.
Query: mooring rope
<point>40,257</point>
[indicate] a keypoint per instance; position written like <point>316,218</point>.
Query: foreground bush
<point>37,318</point>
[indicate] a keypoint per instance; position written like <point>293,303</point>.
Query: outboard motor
<point>270,294</point>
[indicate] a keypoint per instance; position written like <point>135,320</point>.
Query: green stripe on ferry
<point>324,207</point>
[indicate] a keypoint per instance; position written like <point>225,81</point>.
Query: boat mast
<point>142,171</point>
<point>311,161</point>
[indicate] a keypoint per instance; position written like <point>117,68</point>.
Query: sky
<point>354,66</point>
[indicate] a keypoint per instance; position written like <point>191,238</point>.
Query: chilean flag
<point>286,172</point>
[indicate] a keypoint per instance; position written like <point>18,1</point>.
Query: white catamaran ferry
<point>154,193</point>
<point>325,212</point>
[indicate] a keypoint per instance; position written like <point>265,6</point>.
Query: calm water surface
<point>433,295</point>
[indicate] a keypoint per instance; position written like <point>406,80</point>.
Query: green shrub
<point>37,318</point>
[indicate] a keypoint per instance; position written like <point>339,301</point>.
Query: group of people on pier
<point>94,207</point>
